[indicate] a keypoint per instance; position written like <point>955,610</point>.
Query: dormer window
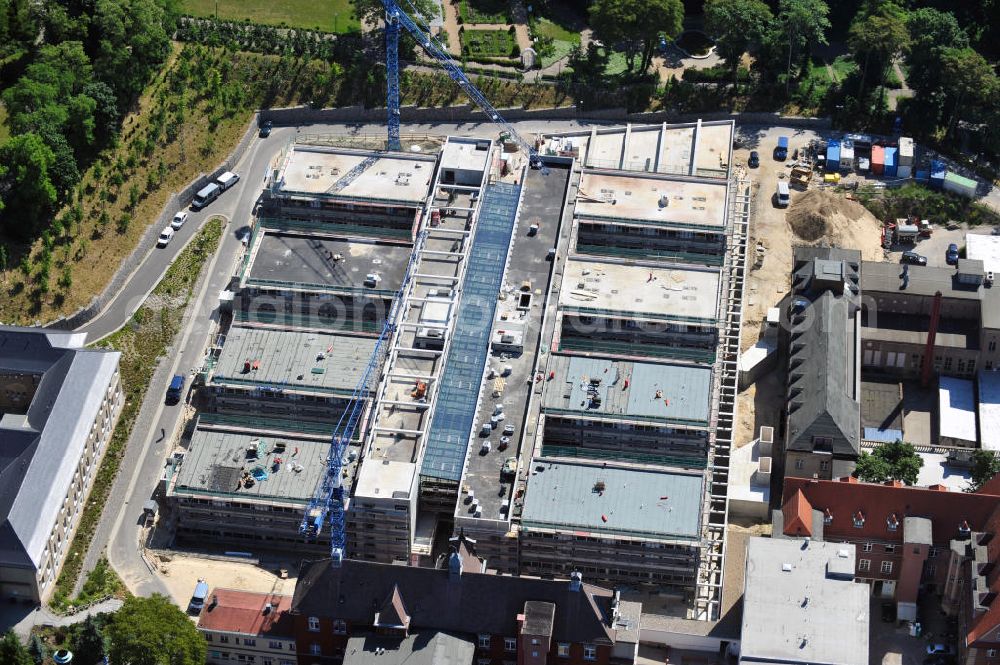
<point>827,517</point>
<point>892,522</point>
<point>859,519</point>
<point>964,528</point>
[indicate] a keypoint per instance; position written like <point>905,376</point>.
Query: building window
<point>864,565</point>
<point>339,627</point>
<point>992,345</point>
<point>887,567</point>
<point>892,522</point>
<point>562,649</point>
<point>890,548</point>
<point>314,624</point>
<point>589,652</point>
<point>315,649</point>
<point>867,547</point>
<point>824,465</point>
<point>224,639</point>
<point>509,644</point>
<point>208,638</point>
<point>484,641</point>
<point>859,519</point>
<point>931,553</point>
<point>931,570</point>
<point>800,464</point>
<point>250,642</point>
<point>991,653</point>
<point>274,645</point>
<point>484,661</point>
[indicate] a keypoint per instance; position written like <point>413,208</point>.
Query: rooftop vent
<point>787,567</point>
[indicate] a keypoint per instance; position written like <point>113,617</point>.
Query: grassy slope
<point>325,15</point>
<point>4,132</point>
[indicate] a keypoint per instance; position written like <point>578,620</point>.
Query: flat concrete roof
<point>384,479</point>
<point>328,263</point>
<point>937,471</point>
<point>393,177</point>
<point>464,155</point>
<point>291,359</point>
<point>957,409</point>
<point>884,277</point>
<point>656,392</point>
<point>640,197</point>
<point>215,462</point>
<point>986,248</point>
<point>823,617</point>
<point>684,149</point>
<point>989,409</point>
<point>637,289</point>
<point>655,504</point>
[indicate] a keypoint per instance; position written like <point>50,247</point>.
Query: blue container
<point>891,161</point>
<point>938,172</point>
<point>922,176</point>
<point>833,156</point>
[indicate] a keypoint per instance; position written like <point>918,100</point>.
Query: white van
<point>206,195</point>
<point>227,180</point>
<point>783,195</point>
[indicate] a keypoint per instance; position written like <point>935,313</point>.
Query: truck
<point>227,180</point>
<point>206,195</point>
<point>906,233</point>
<point>198,598</point>
<point>781,150</point>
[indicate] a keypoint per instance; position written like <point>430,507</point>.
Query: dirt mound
<point>819,215</point>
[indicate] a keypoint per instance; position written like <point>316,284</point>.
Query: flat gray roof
<point>392,177</point>
<point>655,504</point>
<point>464,155</point>
<point>216,461</point>
<point>637,290</point>
<point>642,197</point>
<point>297,360</point>
<point>794,611</point>
<point>957,409</point>
<point>989,409</point>
<point>657,392</point>
<point>884,277</point>
<point>328,264</point>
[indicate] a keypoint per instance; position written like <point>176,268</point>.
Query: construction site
<point>540,359</point>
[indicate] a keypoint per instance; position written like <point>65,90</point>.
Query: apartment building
<point>823,427</point>
<point>485,618</point>
<point>247,628</point>
<point>59,404</point>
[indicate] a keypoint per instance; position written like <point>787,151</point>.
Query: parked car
<point>166,235</point>
<point>265,129</point>
<point>951,256</point>
<point>754,160</point>
<point>175,389</point>
<point>179,220</point>
<point>913,259</point>
<point>939,650</point>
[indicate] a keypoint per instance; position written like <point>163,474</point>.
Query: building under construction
<point>560,379</point>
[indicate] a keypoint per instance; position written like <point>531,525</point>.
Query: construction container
<point>847,156</point>
<point>922,176</point>
<point>891,155</point>
<point>938,172</point>
<point>905,151</point>
<point>833,155</point>
<point>904,171</point>
<point>960,185</point>
<point>878,160</point>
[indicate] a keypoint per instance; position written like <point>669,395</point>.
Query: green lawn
<point>547,28</point>
<point>487,43</point>
<point>843,66</point>
<point>484,11</point>
<point>324,15</point>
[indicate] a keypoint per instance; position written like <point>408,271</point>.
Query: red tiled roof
<point>232,611</point>
<point>798,515</point>
<point>878,503</point>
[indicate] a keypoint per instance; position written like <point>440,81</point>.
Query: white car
<point>166,235</point>
<point>179,220</point>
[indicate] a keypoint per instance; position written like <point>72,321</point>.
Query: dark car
<point>913,259</point>
<point>888,612</point>
<point>951,256</point>
<point>754,160</point>
<point>265,129</point>
<point>175,389</point>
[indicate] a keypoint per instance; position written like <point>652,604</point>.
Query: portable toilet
<point>847,156</point>
<point>890,162</point>
<point>905,151</point>
<point>938,172</point>
<point>878,160</point>
<point>833,156</point>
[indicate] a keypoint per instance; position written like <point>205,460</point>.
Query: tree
<point>28,190</point>
<point>890,461</point>
<point>88,642</point>
<point>153,631</point>
<point>373,11</point>
<point>876,38</point>
<point>803,22</point>
<point>634,26</point>
<point>985,465</point>
<point>12,652</point>
<point>971,80</point>
<point>738,27</point>
<point>131,42</point>
<point>37,650</point>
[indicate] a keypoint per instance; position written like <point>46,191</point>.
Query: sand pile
<point>819,215</point>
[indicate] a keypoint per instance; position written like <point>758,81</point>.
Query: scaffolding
<point>715,516</point>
